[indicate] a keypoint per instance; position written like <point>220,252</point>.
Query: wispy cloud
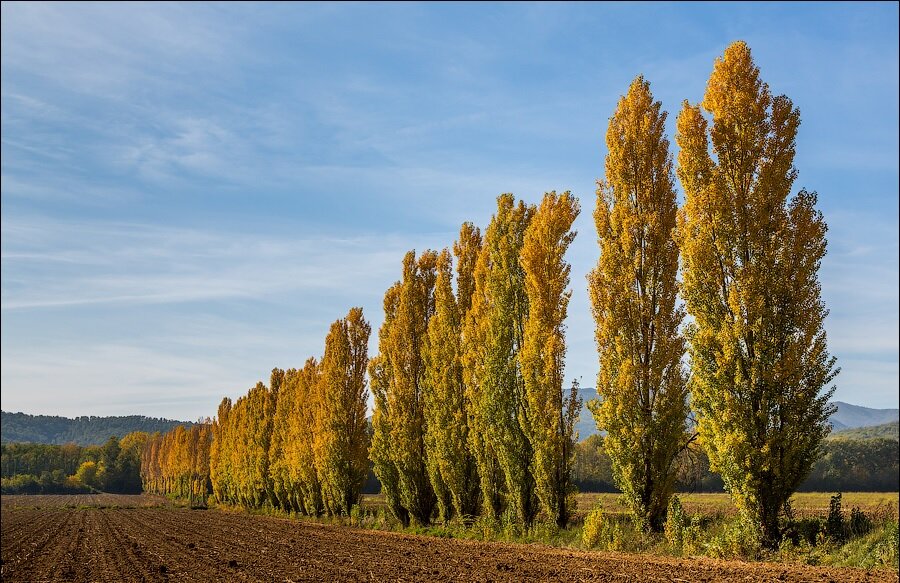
<point>96,263</point>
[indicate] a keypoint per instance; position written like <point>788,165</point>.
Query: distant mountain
<point>847,416</point>
<point>22,427</point>
<point>585,427</point>
<point>884,431</point>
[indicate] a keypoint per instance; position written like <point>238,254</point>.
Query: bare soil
<point>143,538</point>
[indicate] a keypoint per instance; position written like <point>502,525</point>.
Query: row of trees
<point>301,443</point>
<point>470,414</point>
<point>750,255</point>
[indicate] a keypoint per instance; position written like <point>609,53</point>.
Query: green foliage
<point>736,539</point>
<point>493,338</point>
<point>451,465</point>
<point>59,469</point>
<point>676,522</point>
<point>398,381</point>
<point>592,468</point>
<point>856,465</point>
<point>835,528</point>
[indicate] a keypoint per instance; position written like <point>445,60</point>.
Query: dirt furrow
<point>136,539</point>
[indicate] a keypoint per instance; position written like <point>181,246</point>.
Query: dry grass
<point>805,504</point>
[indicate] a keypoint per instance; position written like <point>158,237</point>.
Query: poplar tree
<point>466,249</point>
<point>219,458</point>
<point>380,374</point>
<point>304,430</point>
<point>279,472</point>
<point>642,404</point>
<point>547,414</point>
<point>751,254</point>
<point>450,465</point>
<point>494,334</point>
<point>341,441</point>
<point>399,451</point>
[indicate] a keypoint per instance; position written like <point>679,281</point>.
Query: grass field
<point>805,504</point>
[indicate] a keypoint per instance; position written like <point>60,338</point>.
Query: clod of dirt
<point>191,545</point>
<point>163,569</point>
<point>233,564</point>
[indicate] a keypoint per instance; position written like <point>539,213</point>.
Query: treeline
<point>299,444</point>
<point>85,430</point>
<point>845,465</point>
<point>471,417</point>
<point>882,431</point>
<point>32,468</point>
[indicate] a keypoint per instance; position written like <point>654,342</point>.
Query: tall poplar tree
<point>302,435</point>
<point>494,334</point>
<point>548,415</point>
<point>399,451</point>
<point>380,374</point>
<point>450,464</point>
<point>641,386</point>
<point>751,255</point>
<point>341,440</point>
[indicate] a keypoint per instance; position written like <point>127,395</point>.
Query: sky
<point>192,193</point>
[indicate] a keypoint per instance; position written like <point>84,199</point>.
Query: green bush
<point>676,521</point>
<point>834,526</point>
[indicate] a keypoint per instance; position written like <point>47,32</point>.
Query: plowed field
<point>139,538</point>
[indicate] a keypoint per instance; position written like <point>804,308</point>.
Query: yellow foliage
<point>751,254</point>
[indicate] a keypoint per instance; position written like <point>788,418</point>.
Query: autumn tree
<point>303,430</point>
<point>496,390</point>
<point>341,443</point>
<point>451,466</point>
<point>751,254</point>
<point>400,455</point>
<point>642,404</point>
<point>283,487</point>
<point>547,415</point>
<point>219,459</point>
<point>380,375</point>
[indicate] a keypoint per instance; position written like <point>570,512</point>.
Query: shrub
<point>676,520</point>
<point>593,527</point>
<point>834,526</point>
<point>859,524</point>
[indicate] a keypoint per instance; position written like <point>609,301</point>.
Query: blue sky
<point>192,193</point>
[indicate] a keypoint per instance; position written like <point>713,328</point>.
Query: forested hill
<point>22,427</point>
<point>883,431</point>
